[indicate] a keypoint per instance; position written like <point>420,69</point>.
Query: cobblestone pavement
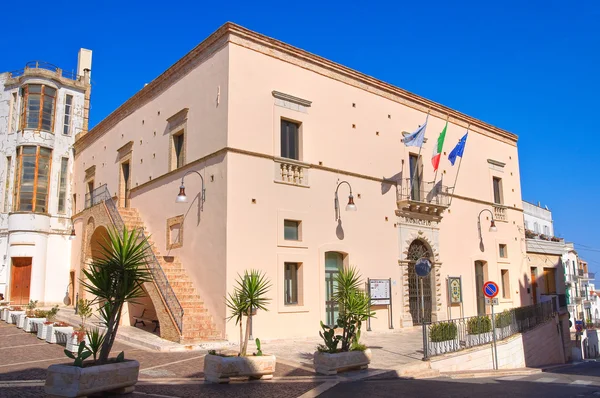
<point>24,360</point>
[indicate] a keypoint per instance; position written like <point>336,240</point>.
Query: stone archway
<point>415,247</point>
<point>97,224</point>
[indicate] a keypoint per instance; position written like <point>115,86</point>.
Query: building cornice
<point>232,33</point>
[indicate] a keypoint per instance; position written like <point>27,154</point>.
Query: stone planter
<point>21,321</point>
<point>53,336</point>
<point>13,316</point>
<point>478,339</point>
<point>43,330</point>
<point>4,314</point>
<point>71,381</point>
<point>73,344</point>
<point>330,364</point>
<point>441,347</point>
<point>218,369</point>
<point>32,324</point>
<point>502,333</point>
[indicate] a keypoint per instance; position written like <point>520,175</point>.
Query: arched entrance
<point>417,250</point>
<point>140,314</point>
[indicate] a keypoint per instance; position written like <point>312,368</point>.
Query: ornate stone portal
<point>418,237</point>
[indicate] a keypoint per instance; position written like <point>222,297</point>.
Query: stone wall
<point>537,347</point>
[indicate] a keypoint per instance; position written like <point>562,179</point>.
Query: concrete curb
<point>474,374</point>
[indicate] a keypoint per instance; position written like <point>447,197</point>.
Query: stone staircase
<point>197,322</point>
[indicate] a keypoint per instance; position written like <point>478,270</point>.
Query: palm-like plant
<point>354,307</point>
<point>115,278</point>
<point>249,295</point>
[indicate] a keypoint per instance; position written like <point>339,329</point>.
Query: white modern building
<point>42,108</point>
<point>538,219</point>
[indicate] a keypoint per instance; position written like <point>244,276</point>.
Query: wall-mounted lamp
<point>182,198</point>
<point>493,227</point>
<point>349,207</point>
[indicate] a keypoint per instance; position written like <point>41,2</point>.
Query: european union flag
<point>458,150</point>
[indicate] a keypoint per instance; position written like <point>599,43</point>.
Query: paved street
<point>581,380</point>
<point>24,359</point>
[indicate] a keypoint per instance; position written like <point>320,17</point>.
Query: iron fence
<point>101,194</point>
<point>47,66</point>
<point>459,334</point>
<point>424,192</point>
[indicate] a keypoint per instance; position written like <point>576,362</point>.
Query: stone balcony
<point>423,198</point>
<point>291,172</point>
<point>500,213</point>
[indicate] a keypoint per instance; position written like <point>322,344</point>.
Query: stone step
<point>201,335</point>
<point>189,298</point>
<point>181,283</point>
<point>181,291</point>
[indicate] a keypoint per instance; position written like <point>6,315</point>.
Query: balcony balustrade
<point>423,197</point>
<point>500,213</point>
<point>292,172</point>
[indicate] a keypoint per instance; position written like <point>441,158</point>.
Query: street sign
<point>493,301</point>
<point>379,290</point>
<point>490,289</point>
<point>423,267</point>
<point>578,326</point>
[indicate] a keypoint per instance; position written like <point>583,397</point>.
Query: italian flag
<point>437,150</point>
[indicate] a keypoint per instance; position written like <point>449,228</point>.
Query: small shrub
<point>478,325</point>
<point>31,307</point>
<point>51,314</point>
<point>82,354</point>
<point>503,319</point>
<point>40,314</point>
<point>259,352</point>
<point>443,331</point>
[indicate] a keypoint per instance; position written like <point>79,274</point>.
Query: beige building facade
<point>272,132</point>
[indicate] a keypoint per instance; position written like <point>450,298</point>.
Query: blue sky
<point>528,67</point>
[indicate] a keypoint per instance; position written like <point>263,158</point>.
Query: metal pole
<point>390,306</point>
<point>423,323</point>
<point>76,303</point>
<point>369,290</point>
<point>457,172</point>
<point>494,337</point>
<point>418,304</point>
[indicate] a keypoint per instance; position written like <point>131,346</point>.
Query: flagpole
<point>412,181</point>
<point>457,172</point>
<point>436,170</point>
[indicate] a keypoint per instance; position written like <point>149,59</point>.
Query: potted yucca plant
<point>114,278</point>
<point>344,351</point>
<point>248,296</point>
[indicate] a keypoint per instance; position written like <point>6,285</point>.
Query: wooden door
<point>534,285</point>
<point>20,280</point>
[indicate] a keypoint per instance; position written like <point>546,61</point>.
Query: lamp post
<point>493,227</point>
<point>72,235</point>
<point>182,198</point>
<point>349,207</point>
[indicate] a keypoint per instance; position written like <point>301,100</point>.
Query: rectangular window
<point>290,140</point>
<point>13,113</point>
<point>291,230</point>
<point>498,190</point>
<point>7,184</point>
<point>291,283</point>
<point>179,150</point>
<point>67,118</point>
<point>62,186</point>
<point>33,178</point>
<point>503,252</point>
<point>38,112</point>
<point>505,284</point>
<point>550,280</point>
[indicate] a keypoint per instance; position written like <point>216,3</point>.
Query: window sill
<point>292,244</point>
<point>503,260</point>
<point>291,308</point>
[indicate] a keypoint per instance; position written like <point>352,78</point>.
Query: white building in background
<point>42,108</point>
<point>538,219</point>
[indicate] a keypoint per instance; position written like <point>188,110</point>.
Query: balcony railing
<point>500,212</point>
<point>580,273</point>
<point>97,196</point>
<point>589,275</point>
<point>583,294</point>
<point>290,171</point>
<point>47,66</point>
<point>424,192</point>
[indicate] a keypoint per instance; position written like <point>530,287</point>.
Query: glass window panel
<point>49,91</point>
<point>62,189</point>
<point>290,230</point>
<point>34,88</point>
<point>291,283</point>
<point>29,150</point>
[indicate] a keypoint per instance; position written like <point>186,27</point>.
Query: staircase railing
<point>160,279</point>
